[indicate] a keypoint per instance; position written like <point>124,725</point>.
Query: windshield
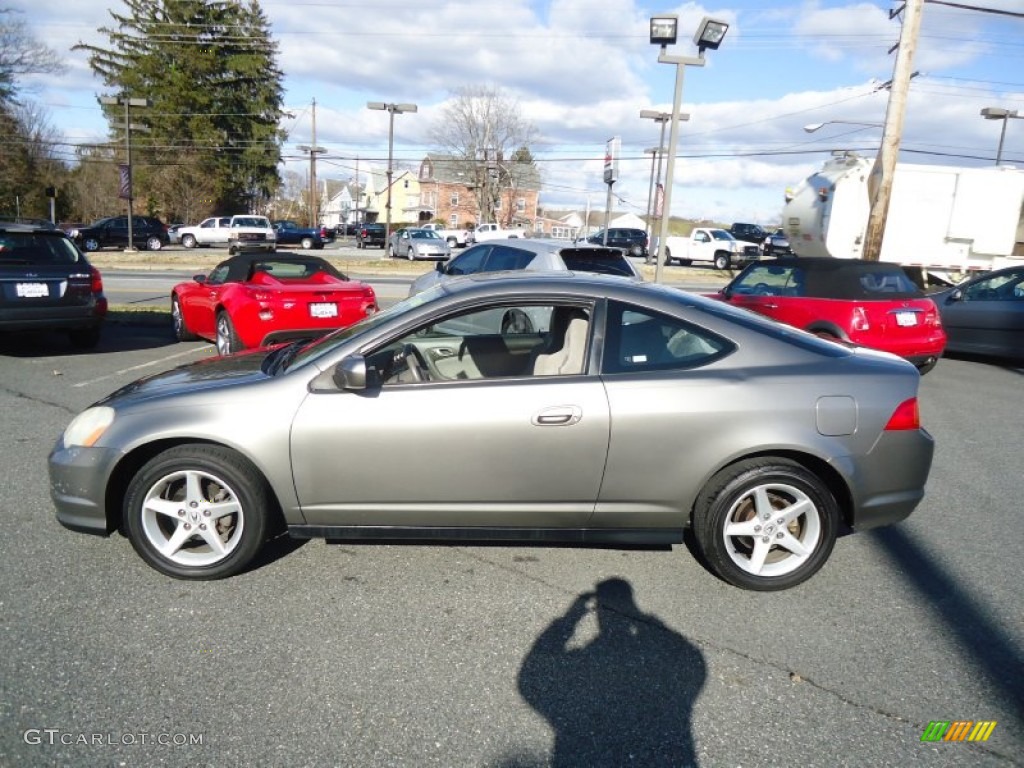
<point>424,234</point>
<point>324,345</point>
<point>721,234</point>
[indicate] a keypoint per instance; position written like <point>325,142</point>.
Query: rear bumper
<point>76,318</point>
<point>889,482</point>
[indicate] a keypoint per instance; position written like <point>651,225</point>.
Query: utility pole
<point>313,151</point>
<point>128,192</point>
<point>888,152</point>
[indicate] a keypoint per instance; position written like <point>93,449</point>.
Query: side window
<point>641,340</point>
<point>499,341</point>
<point>469,262</point>
<point>218,275</point>
<point>997,288</point>
<point>504,258</point>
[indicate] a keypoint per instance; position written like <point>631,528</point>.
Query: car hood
<point>209,373</point>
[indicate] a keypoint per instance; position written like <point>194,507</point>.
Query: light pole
<point>313,151</point>
<point>998,113</point>
<point>126,185</point>
<point>392,110</point>
<point>664,29</point>
<point>815,126</point>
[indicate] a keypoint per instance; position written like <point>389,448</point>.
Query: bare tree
<point>486,141</point>
<point>21,54</point>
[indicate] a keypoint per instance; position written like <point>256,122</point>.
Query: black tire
<point>926,367</point>
<point>452,242</point>
<point>721,261</point>
<point>181,331</point>
<point>84,338</point>
<point>668,258</point>
<point>411,254</point>
<point>223,477</point>
<point>306,243</point>
<point>154,243</point>
<point>227,339</point>
<point>727,506</point>
<point>188,241</point>
<point>90,244</point>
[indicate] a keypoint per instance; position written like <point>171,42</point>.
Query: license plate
<point>31,290</point>
<point>906,319</point>
<point>323,309</point>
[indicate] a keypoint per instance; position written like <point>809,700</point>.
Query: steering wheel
<point>761,289</point>
<point>414,362</point>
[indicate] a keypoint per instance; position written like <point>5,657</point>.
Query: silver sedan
<point>629,413</point>
<point>415,243</point>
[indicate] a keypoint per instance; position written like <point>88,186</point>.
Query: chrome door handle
<point>557,416</point>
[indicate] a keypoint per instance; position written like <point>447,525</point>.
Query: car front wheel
<point>189,241</point>
<point>227,339</point>
<point>91,244</point>
<point>721,261</point>
<point>766,524</point>
<point>197,512</point>
<point>410,254</point>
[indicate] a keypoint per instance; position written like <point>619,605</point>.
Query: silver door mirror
<point>350,373</point>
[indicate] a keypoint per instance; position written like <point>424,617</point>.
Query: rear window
<point>20,248</point>
<point>602,261</point>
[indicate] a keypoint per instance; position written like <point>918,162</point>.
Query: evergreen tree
<point>209,70</point>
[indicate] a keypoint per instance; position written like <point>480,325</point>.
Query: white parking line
<point>151,363</point>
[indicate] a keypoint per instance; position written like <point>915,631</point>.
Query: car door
<point>115,231</point>
<point>200,303</point>
<point>987,316</point>
<point>496,448</point>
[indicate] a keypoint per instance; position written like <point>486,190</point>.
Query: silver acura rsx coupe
<point>626,413</point>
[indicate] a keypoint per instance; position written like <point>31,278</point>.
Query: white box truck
<point>948,221</point>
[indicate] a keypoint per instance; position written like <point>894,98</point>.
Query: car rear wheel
<point>668,258</point>
<point>227,339</point>
<point>452,242</point>
<point>766,524</point>
<point>197,512</point>
<point>307,243</point>
<point>189,241</point>
<point>154,243</point>
<point>181,331</point>
<point>91,244</point>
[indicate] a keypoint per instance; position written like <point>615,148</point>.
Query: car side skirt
<point>485,534</point>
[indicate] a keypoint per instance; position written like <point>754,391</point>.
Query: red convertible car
<point>252,300</point>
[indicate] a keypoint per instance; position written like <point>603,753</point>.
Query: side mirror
<point>201,279</point>
<point>439,266</point>
<point>350,373</point>
<point>957,295</point>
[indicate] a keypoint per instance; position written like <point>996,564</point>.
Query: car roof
<point>832,278</point>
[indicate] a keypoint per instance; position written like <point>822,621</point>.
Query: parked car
<point>869,303</point>
<point>528,254</point>
<point>215,230</point>
<point>751,233</point>
<point>147,233</point>
<point>46,283</point>
<point>252,300</point>
<point>632,241</point>
<point>776,244</point>
<point>767,441</point>
<point>172,233</point>
<point>417,243</point>
<point>251,234</point>
<point>290,233</point>
<point>370,234</point>
<point>328,234</point>
<point>985,315</point>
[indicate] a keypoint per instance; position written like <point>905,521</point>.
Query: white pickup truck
<point>484,232</point>
<point>456,238</point>
<point>248,233</point>
<point>212,231</point>
<point>713,246</point>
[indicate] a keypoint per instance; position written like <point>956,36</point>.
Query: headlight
<point>88,426</point>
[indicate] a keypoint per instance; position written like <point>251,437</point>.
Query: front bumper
<point>78,487</point>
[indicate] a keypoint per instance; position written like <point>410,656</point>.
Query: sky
<point>582,70</point>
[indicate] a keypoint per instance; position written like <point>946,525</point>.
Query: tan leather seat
<point>568,346</point>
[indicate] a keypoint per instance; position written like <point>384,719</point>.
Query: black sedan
<point>46,283</point>
<point>985,315</point>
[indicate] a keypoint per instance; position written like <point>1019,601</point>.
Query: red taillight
<point>931,317</point>
<point>96,281</point>
<point>860,319</point>
<point>906,416</point>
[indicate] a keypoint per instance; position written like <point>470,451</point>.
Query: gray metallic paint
<point>418,458</point>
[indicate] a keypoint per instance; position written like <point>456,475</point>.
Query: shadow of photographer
<point>623,697</point>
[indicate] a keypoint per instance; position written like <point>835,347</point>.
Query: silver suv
<point>531,255</point>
